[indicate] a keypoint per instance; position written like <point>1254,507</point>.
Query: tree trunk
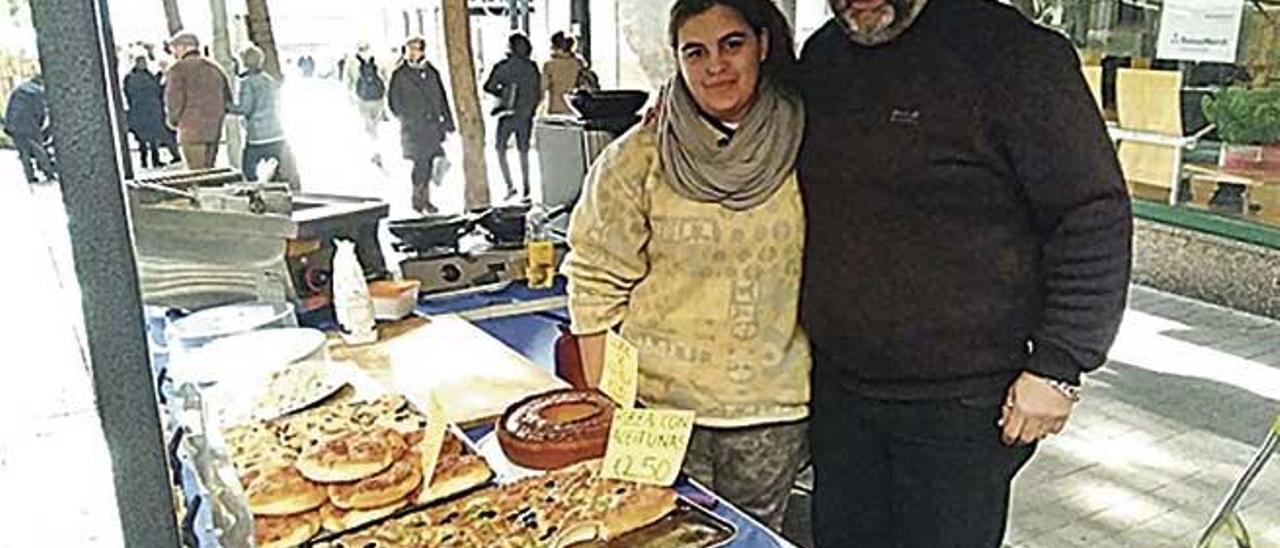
<point>222,54</point>
<point>788,8</point>
<point>261,34</point>
<point>172,17</point>
<point>470,121</point>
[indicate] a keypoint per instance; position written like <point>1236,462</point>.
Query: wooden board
<point>473,375</point>
<point>1150,100</point>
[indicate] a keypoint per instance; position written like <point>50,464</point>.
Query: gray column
<point>73,59</point>
<point>580,17</point>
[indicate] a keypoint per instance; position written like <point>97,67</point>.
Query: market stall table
<point>475,371</point>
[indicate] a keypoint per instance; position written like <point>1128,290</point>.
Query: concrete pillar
<point>73,60</point>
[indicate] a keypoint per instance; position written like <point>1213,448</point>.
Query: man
<point>416,96</point>
<point>26,120</point>
<point>196,95</point>
<point>968,258</point>
<point>367,82</point>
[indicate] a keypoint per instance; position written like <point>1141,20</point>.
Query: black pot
<point>607,104</point>
<point>431,231</point>
<point>505,224</point>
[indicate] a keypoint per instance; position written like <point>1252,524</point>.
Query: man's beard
<point>884,25</point>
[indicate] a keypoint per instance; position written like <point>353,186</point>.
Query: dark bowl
<point>614,103</point>
<point>431,231</point>
<point>506,224</point>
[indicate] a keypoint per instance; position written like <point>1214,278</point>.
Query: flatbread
<point>285,531</point>
<point>297,386</point>
<point>378,490</point>
<point>336,520</point>
<point>455,473</point>
<point>283,491</point>
<point>351,456</point>
<point>571,504</point>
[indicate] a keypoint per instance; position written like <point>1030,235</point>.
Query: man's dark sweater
<point>967,217</point>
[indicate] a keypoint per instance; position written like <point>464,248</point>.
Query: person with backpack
<point>368,85</point>
<point>517,84</point>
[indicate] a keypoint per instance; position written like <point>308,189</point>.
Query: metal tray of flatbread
<point>688,526</point>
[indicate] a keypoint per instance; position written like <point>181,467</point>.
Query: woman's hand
<point>1032,410</point>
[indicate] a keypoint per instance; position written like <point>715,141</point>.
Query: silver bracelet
<point>1070,391</point>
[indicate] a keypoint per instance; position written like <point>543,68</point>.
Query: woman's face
<point>720,57</point>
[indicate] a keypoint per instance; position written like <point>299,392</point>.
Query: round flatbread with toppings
<point>351,456</point>
<point>381,489</point>
<point>283,491</point>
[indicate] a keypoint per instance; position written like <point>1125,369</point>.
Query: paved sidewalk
<point>1166,427</point>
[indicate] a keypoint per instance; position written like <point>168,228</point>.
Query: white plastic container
<point>393,300</point>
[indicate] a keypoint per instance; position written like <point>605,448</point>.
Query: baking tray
<point>689,526</point>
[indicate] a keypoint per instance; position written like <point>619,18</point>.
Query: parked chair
<point>1151,143</point>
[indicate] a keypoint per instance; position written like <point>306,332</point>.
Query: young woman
<point>689,238</point>
<point>561,73</point>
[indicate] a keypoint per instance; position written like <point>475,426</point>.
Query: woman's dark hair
<point>561,42</point>
<point>760,15</point>
<point>519,46</point>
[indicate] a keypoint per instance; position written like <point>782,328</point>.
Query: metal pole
<point>73,60</point>
<point>513,14</point>
<point>117,94</point>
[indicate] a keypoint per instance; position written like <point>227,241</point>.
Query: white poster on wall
<point>1200,30</point>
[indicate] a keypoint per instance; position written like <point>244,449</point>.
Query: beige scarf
<point>743,173</point>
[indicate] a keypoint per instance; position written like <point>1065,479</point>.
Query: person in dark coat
<point>144,96</point>
<point>26,120</point>
<point>416,96</point>
<point>517,84</point>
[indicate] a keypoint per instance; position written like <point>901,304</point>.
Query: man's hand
<point>1032,410</point>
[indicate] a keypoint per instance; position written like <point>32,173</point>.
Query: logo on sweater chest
<point>904,116</point>
<point>685,230</point>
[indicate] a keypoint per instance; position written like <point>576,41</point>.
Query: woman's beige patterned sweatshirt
<point>708,295</point>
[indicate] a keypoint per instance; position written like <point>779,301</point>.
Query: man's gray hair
<point>251,57</point>
<point>184,38</point>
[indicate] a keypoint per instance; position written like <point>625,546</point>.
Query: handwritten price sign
<point>647,445</point>
<point>432,439</point>
<point>621,370</point>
